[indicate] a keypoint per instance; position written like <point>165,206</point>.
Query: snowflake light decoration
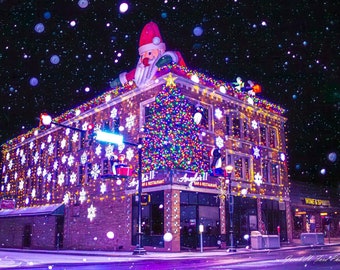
<point>31,145</point>
<point>48,196</point>
<point>63,159</point>
<point>258,179</point>
<point>82,196</point>
<point>29,172</point>
<point>33,193</point>
<point>49,138</point>
<point>36,157</point>
<point>23,159</point>
<point>75,137</point>
<point>63,143</point>
<point>55,165</point>
<point>218,114</point>
<point>49,177</point>
<point>256,151</point>
<point>254,124</point>
<point>130,122</point>
<point>66,198</point>
<point>61,179</point>
<point>39,171</point>
<point>15,175</point>
<point>129,154</point>
<point>42,146</point>
<point>21,184</point>
<point>70,160</point>
<point>10,164</point>
<point>73,177</point>
<point>8,187</point>
<point>83,158</point>
<point>98,150</point>
<point>50,149</point>
<point>113,114</point>
<point>91,212</point>
<point>67,131</point>
<point>95,172</point>
<point>109,151</point>
<point>103,188</point>
<point>219,142</point>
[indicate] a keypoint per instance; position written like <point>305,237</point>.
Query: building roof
<point>52,209</point>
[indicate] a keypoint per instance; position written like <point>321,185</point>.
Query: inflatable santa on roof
<point>152,56</point>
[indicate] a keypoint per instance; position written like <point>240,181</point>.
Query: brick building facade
<point>64,166</point>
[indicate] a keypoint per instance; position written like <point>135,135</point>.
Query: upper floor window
<point>241,165</point>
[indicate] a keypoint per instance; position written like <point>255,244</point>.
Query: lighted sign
<point>312,201</point>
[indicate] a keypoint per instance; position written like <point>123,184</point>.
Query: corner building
<point>58,189</point>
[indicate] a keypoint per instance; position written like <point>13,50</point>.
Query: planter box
<point>312,238</point>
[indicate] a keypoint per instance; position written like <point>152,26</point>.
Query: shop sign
<point>197,179</point>
<point>311,201</point>
<point>149,180</point>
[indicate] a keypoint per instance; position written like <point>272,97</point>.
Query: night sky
<point>55,55</point>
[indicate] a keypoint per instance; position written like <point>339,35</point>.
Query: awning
<point>51,209</point>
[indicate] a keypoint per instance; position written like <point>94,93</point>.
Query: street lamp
<point>229,169</point>
<point>46,120</point>
<point>118,139</point>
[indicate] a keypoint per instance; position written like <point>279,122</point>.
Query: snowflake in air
<point>95,172</point>
<point>256,152</point>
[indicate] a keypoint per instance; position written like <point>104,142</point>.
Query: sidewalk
<point>119,255</point>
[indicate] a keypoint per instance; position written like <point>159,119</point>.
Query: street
<point>321,257</point>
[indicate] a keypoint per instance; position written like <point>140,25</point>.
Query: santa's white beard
<point>144,74</point>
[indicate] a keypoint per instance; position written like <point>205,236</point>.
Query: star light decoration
<point>258,179</point>
<point>91,212</point>
<point>170,81</point>
<point>256,151</point>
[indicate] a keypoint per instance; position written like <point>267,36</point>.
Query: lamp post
<point>229,169</point>
<point>118,139</point>
<point>46,120</point>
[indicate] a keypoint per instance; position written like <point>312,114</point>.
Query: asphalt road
<point>317,258</point>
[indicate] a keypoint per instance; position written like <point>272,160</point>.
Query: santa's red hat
<point>150,38</point>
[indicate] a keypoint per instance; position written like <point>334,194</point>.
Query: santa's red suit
<point>153,55</point>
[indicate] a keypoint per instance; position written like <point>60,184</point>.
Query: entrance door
<point>188,226</point>
<point>27,235</point>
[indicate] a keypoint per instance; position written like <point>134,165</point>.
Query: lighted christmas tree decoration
<point>172,139</point>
